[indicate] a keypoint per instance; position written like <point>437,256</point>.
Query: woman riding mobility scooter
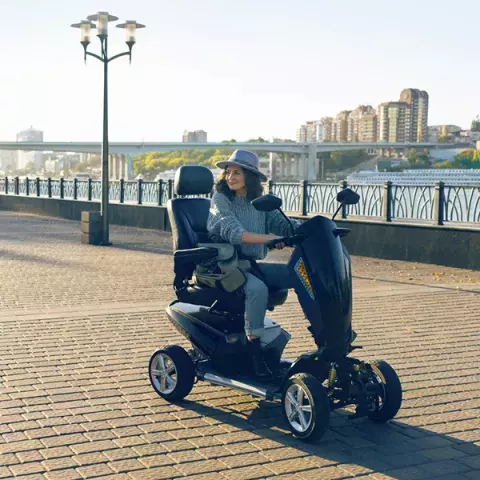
<point>315,383</point>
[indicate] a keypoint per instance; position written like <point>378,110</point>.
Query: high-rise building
<point>402,121</point>
<point>307,133</point>
<point>416,123</point>
<point>302,134</point>
<point>324,129</point>
<point>367,128</point>
<point>391,122</point>
<point>30,135</point>
<point>316,131</point>
<point>354,119</point>
<point>340,127</point>
<point>29,157</point>
<point>197,136</point>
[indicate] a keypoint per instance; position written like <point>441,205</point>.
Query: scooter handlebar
<point>288,241</point>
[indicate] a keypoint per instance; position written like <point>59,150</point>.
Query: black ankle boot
<point>260,368</point>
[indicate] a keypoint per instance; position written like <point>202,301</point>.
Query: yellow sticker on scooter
<point>301,271</point>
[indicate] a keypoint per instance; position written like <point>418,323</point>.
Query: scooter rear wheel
<point>306,407</point>
<point>171,372</point>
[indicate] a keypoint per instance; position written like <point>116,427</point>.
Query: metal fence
<point>438,204</point>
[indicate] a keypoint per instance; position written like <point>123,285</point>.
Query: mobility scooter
<point>309,387</point>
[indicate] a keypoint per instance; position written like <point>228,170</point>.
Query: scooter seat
<point>229,302</point>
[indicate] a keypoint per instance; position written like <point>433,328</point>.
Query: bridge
<point>305,153</point>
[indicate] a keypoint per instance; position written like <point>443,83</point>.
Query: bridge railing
<point>436,204</point>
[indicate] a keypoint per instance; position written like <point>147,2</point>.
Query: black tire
<point>391,400</point>
<point>317,397</point>
<point>178,383</point>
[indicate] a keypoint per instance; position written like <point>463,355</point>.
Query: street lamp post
<point>102,20</point>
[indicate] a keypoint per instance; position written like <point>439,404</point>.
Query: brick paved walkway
<point>78,324</point>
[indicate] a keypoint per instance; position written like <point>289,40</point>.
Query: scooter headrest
<point>193,180</point>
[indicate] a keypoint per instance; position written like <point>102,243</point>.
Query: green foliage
<point>418,160</point>
<point>444,164</point>
<point>467,159</point>
<point>444,138</point>
<point>412,156</point>
<point>475,126</point>
<point>336,161</point>
<point>152,163</point>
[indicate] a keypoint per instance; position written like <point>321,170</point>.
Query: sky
<point>236,69</point>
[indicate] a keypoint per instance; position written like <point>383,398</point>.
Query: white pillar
<point>300,166</point>
<point>281,160</point>
<point>122,166</point>
<point>119,166</point>
<point>311,164</point>
<point>128,166</point>
<point>271,166</point>
<point>112,166</point>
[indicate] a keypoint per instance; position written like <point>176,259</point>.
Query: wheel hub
<point>164,373</point>
<point>298,408</point>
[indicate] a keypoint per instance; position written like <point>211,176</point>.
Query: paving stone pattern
<point>78,324</point>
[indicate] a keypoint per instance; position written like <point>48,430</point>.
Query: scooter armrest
<point>194,255</point>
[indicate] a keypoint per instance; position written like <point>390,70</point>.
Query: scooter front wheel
<point>171,372</point>
<point>306,407</point>
<point>389,401</point>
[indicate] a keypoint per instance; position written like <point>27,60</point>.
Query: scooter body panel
<point>321,269</point>
<point>227,351</point>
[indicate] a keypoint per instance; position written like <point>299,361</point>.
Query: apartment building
<point>416,122</point>
<point>355,120</point>
<point>391,121</point>
<point>197,136</point>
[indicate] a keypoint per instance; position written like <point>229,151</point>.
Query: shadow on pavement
<point>361,447</point>
<point>434,287</point>
<point>9,255</point>
<point>143,247</point>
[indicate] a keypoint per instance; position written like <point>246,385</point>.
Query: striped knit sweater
<point>229,219</point>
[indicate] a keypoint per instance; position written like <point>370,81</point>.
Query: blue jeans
<point>256,294</point>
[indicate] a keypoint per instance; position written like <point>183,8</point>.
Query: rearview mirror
<point>267,203</point>
<point>348,197</point>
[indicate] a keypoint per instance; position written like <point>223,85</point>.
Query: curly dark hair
<point>252,184</point>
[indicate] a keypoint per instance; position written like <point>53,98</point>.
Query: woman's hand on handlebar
<point>271,241</point>
<point>277,243</point>
<point>282,242</point>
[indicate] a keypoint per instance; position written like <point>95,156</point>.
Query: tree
<point>466,159</point>
<point>419,160</point>
<point>475,126</point>
<point>152,163</point>
<point>444,138</point>
<point>344,160</point>
<point>412,157</point>
<point>444,164</point>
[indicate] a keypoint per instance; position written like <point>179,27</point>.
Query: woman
<point>235,220</point>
